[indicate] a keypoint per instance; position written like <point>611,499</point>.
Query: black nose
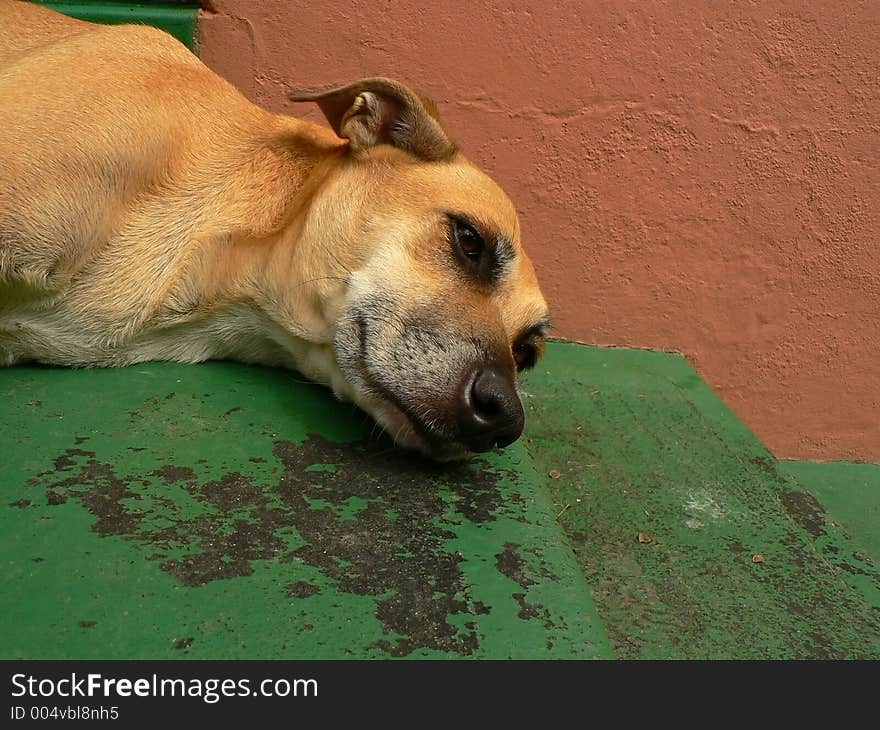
<point>490,414</point>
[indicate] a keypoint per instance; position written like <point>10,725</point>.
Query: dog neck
<point>266,255</point>
<point>259,258</point>
<point>201,270</point>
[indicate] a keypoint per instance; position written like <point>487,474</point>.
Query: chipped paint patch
<point>214,516</point>
<point>368,523</point>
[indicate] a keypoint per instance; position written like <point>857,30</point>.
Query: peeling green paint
<point>226,511</point>
<point>851,493</point>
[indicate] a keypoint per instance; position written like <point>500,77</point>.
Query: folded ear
<point>381,111</point>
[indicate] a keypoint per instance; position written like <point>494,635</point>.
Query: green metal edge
<point>179,21</point>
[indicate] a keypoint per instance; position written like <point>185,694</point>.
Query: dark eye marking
<point>529,346</point>
<point>482,255</point>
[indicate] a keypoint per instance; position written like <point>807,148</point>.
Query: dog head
<point>435,306</point>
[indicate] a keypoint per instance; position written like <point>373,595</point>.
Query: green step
<point>225,511</point>
<point>850,491</point>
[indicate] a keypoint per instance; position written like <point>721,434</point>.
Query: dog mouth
<point>429,387</point>
<point>411,434</point>
<point>395,416</point>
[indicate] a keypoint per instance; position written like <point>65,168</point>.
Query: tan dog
<point>149,212</point>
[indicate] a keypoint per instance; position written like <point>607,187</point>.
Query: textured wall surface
<point>690,176</point>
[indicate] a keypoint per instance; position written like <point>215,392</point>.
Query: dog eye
<point>525,355</point>
<point>467,240</point>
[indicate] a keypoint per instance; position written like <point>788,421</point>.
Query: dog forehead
<point>461,188</point>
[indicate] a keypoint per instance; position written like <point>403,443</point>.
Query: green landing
<point>225,511</point>
<point>741,555</point>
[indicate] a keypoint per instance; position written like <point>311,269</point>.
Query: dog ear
<point>381,111</point>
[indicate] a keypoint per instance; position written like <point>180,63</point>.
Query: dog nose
<point>490,413</point>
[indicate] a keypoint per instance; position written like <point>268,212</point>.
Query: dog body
<point>149,212</point>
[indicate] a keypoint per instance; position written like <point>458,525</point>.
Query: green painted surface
<point>221,511</point>
<point>178,19</point>
<point>228,511</point>
<point>639,444</point>
<point>850,491</point>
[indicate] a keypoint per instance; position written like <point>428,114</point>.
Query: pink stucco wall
<point>691,176</point>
